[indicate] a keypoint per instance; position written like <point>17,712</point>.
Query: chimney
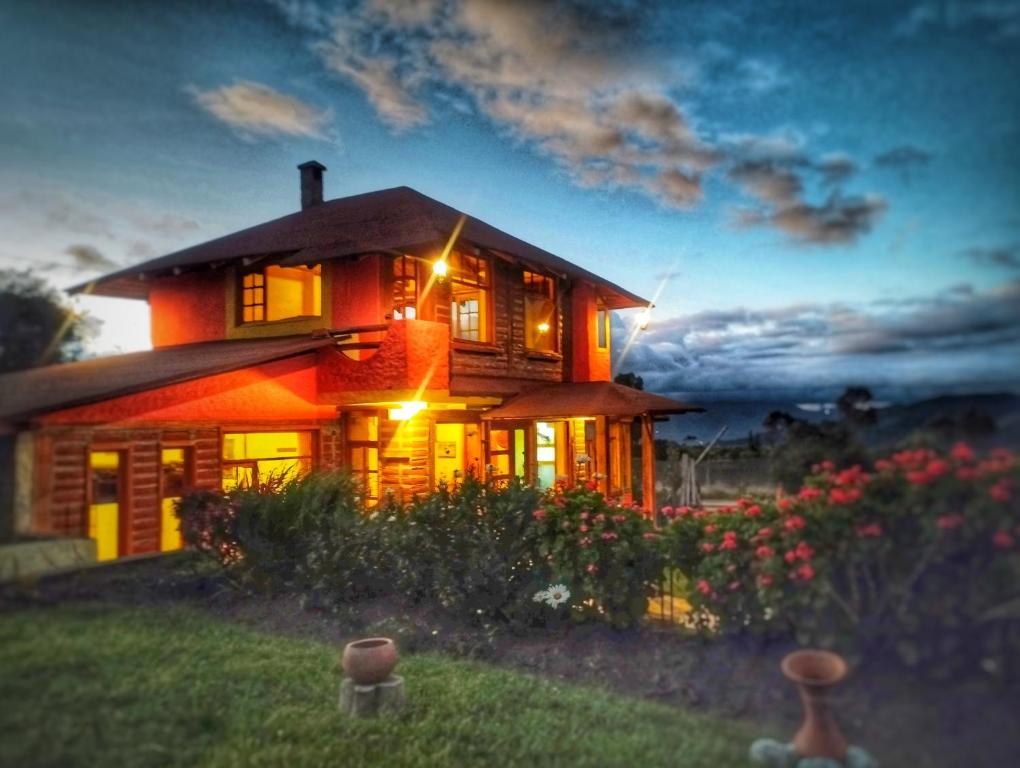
<point>311,183</point>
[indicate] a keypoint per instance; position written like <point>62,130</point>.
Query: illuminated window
<point>175,467</point>
<point>471,288</point>
<point>281,293</point>
<point>251,458</point>
<point>540,322</point>
<point>363,452</point>
<point>106,483</point>
<point>602,331</point>
<point>405,288</point>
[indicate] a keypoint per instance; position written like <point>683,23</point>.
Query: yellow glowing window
<point>405,288</point>
<point>250,458</point>
<point>174,467</point>
<point>602,331</point>
<point>540,321</point>
<point>363,452</point>
<point>281,293</point>
<point>104,507</point>
<point>470,295</point>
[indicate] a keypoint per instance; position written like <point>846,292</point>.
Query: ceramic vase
<point>815,673</point>
<point>369,661</point>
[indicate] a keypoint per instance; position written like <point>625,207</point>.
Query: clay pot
<point>815,673</point>
<point>369,661</point>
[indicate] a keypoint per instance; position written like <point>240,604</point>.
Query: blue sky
<point>832,191</point>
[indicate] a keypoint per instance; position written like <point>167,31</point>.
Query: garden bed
<point>902,719</point>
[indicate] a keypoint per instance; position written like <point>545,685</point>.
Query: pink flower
<point>704,587</point>
<point>808,492</point>
<point>753,511</point>
<point>649,536</point>
<point>667,511</point>
<point>538,514</point>
<point>583,528</point>
<point>764,532</point>
<point>743,503</point>
<point>708,547</point>
<point>967,474</point>
<point>600,518</point>
<point>609,536</point>
<point>734,586</point>
<point>1002,491</point>
<point>619,519</point>
<point>869,531</point>
<point>790,557</point>
<point>764,551</point>
<point>764,580</point>
<point>729,541</point>
<point>938,468</point>
<point>962,453</point>
<point>710,528</point>
<point>1002,540</point>
<point>785,505</point>
<point>592,568</point>
<point>806,572</point>
<point>794,523</point>
<point>918,477</point>
<point>584,541</point>
<point>804,550</point>
<point>583,515</point>
<point>949,522</point>
<point>884,465</point>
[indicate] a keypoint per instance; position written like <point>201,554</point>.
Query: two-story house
<point>385,333</point>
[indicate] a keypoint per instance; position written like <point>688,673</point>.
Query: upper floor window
<point>602,330</point>
<point>281,293</point>
<point>540,322</point>
<point>470,296</point>
<point>405,288</point>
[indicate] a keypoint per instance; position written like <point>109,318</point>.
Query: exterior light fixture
<point>439,268</point>
<point>407,410</point>
<point>543,327</point>
<point>644,318</point>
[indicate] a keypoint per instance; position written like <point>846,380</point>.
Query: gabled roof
<point>54,387</point>
<point>387,220</point>
<point>587,398</point>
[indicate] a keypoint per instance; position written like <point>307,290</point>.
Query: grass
<point>89,685</point>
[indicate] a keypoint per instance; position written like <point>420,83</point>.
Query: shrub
<point>919,555</point>
<point>606,553</point>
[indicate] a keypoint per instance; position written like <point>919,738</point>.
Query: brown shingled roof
<point>588,398</point>
<point>39,390</point>
<point>389,219</point>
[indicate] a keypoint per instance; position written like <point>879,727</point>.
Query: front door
<point>174,470</point>
<point>508,452</point>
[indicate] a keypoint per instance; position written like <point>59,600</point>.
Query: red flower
<point>884,465</point>
<point>753,511</point>
<point>938,468</point>
<point>538,514</point>
<point>790,557</point>
<point>583,515</point>
<point>764,532</point>
<point>710,528</point>
<point>949,522</point>
<point>1002,491</point>
<point>708,547</point>
<point>764,580</point>
<point>808,492</point>
<point>619,518</point>
<point>704,587</point>
<point>764,551</point>
<point>1002,540</point>
<point>600,518</point>
<point>804,550</point>
<point>667,512</point>
<point>609,536</point>
<point>582,528</point>
<point>918,477</point>
<point>794,523</point>
<point>828,466</point>
<point>729,540</point>
<point>870,531</point>
<point>785,504</point>
<point>806,572</point>
<point>650,536</point>
<point>962,453</point>
<point>967,474</point>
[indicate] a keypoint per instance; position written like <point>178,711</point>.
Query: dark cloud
<point>836,169</point>
<point>839,220</point>
<point>947,339</point>
<point>1005,256</point>
<point>88,258</point>
<point>996,20</point>
<point>905,159</point>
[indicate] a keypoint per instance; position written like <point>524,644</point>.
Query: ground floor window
<point>363,451</point>
<point>253,458</point>
<point>175,466</point>
<point>106,500</point>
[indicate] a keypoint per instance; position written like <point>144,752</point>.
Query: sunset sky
<point>820,194</point>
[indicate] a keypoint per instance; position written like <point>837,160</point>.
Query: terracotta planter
<point>815,673</point>
<point>369,661</point>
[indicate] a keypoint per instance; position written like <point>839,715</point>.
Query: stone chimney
<point>311,183</point>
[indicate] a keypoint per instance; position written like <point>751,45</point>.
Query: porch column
<point>648,464</point>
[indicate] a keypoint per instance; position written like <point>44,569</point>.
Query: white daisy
<point>557,595</point>
<point>541,596</point>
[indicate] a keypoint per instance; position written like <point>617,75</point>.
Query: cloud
<point>905,159</point>
<point>956,338</point>
<point>837,220</point>
<point>88,258</point>
<point>1005,256</point>
<point>253,109</point>
<point>836,169</point>
<point>996,20</point>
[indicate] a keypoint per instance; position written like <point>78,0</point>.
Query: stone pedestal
<point>370,700</point>
<point>775,754</point>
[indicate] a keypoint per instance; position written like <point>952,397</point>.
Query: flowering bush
<point>920,554</point>
<point>607,553</point>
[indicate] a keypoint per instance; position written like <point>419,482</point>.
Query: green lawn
<point>95,685</point>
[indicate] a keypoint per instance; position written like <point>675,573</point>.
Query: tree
<point>38,326</point>
<point>855,407</point>
<point>630,379</point>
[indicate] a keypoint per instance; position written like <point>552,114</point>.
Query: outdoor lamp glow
<point>439,267</point>
<point>543,327</point>
<point>407,410</point>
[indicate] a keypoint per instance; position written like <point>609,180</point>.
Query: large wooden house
<point>385,333</point>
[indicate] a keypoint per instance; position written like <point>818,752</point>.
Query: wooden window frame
<point>351,445</point>
<point>602,336</point>
<point>537,284</point>
<point>456,277</point>
<point>405,268</point>
<point>312,457</point>
<point>260,273</point>
<point>125,516</point>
